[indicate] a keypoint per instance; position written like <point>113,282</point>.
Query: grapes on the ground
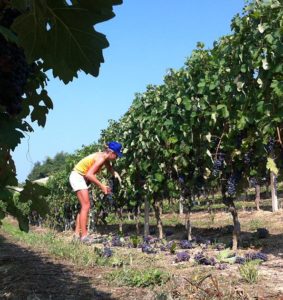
<point>182,256</point>
<point>107,252</point>
<point>185,244</point>
<point>256,255</point>
<point>222,266</point>
<point>163,248</point>
<point>201,259</point>
<point>116,242</point>
<point>240,260</point>
<point>146,248</point>
<point>147,239</point>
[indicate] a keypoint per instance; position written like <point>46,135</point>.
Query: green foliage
<point>135,240</point>
<point>19,203</point>
<point>255,224</point>
<point>59,24</point>
<point>78,254</point>
<point>226,256</point>
<point>43,29</point>
<point>173,247</point>
<point>137,278</point>
<point>249,271</point>
<point>49,166</point>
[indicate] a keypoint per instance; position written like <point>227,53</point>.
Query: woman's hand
<point>106,189</point>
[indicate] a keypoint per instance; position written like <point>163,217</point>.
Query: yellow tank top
<point>84,164</point>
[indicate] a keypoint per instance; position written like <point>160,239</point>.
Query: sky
<point>147,37</point>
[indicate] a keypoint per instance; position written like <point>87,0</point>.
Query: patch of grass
<point>249,271</point>
<point>77,253</point>
<point>172,220</point>
<point>139,278</point>
<point>226,256</point>
<point>255,224</point>
<point>136,240</point>
<point>200,223</point>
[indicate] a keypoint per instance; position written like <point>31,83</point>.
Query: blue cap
<point>116,147</point>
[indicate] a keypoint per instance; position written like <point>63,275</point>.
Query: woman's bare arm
<point>93,170</point>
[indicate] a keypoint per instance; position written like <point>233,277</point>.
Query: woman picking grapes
<point>85,171</point>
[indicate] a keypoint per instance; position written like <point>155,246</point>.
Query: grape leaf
<point>63,36</point>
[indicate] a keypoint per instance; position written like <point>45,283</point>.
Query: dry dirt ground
<point>32,275</point>
<point>26,273</point>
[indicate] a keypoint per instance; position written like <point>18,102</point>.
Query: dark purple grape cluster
<point>231,186</point>
<point>199,256</point>
<point>232,183</point>
<point>14,72</point>
<point>247,158</point>
<point>116,242</point>
<point>262,233</point>
<point>203,260</point>
<point>162,248</point>
<point>256,255</point>
<point>181,179</point>
<point>185,244</point>
<point>107,252</point>
<point>240,260</point>
<point>238,140</point>
<point>206,244</point>
<point>111,184</point>
<point>14,69</point>
<point>147,239</point>
<point>218,164</point>
<point>270,145</point>
<point>182,256</point>
<point>146,248</point>
<point>108,199</point>
<point>222,266</point>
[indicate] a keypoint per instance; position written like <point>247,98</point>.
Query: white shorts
<point>77,181</point>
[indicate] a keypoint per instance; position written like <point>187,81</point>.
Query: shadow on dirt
<point>274,245</point>
<point>25,275</point>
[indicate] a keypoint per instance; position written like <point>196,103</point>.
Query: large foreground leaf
<point>63,35</point>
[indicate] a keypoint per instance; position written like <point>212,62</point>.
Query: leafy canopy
<point>56,35</point>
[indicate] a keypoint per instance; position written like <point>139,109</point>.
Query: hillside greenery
<point>49,166</point>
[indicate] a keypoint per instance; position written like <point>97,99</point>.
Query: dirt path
<point>25,274</point>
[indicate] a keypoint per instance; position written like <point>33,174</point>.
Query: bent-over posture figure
<point>85,171</point>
